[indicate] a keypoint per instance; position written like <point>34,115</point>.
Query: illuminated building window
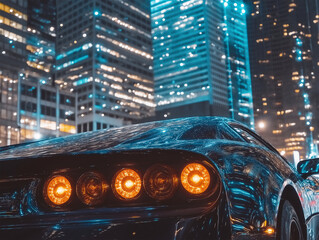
<point>12,11</point>
<point>126,46</point>
<point>12,36</point>
<point>38,66</point>
<point>67,128</point>
<point>10,23</point>
<point>277,131</point>
<point>27,134</point>
<point>48,124</point>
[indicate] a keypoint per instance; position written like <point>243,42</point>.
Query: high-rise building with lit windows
<point>104,55</point>
<point>313,12</point>
<point>41,40</point>
<point>283,40</point>
<point>30,107</point>
<point>44,111</point>
<point>13,23</point>
<point>201,63</point>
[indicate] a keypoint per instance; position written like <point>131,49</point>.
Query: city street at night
<point>159,119</point>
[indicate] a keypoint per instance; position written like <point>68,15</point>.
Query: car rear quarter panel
<point>254,178</point>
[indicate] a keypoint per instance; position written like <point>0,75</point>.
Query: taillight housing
<point>57,191</point>
<point>133,179</point>
<point>91,188</point>
<point>160,182</point>
<point>127,184</point>
<point>195,178</point>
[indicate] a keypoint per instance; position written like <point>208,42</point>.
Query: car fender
<point>253,183</point>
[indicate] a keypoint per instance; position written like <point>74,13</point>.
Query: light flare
<point>196,178</point>
<point>60,190</point>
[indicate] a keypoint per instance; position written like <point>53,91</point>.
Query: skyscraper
<point>104,54</point>
<point>41,40</point>
<point>201,63</point>
<point>283,74</point>
<point>30,107</point>
<point>13,22</point>
<point>44,111</point>
<point>313,12</point>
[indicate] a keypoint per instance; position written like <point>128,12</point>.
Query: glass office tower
<point>104,54</point>
<point>201,63</point>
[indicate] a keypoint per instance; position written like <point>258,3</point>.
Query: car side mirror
<point>308,167</point>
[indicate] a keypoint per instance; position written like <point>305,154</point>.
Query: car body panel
<point>253,176</point>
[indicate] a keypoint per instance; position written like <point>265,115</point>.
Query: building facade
<point>41,41</point>
<point>31,107</point>
<point>283,74</point>
<point>104,54</point>
<point>201,62</point>
<point>13,24</point>
<point>44,111</point>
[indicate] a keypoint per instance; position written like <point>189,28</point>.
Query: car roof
<point>105,139</point>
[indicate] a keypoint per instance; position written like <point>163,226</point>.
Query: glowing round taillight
<point>57,191</point>
<point>160,182</point>
<point>127,184</point>
<point>195,178</point>
<point>91,188</point>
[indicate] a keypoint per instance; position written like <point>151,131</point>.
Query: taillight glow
<point>58,190</point>
<point>127,184</point>
<point>195,178</point>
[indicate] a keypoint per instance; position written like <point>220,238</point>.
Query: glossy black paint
<point>138,223</point>
<point>254,179</point>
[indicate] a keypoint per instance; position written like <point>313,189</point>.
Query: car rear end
<point>133,194</point>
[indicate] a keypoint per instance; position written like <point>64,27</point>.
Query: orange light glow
<point>195,178</point>
<point>127,184</point>
<point>58,190</point>
<point>270,231</point>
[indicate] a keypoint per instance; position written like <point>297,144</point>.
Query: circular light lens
<point>127,184</point>
<point>195,178</point>
<point>91,188</point>
<point>57,191</point>
<point>160,182</point>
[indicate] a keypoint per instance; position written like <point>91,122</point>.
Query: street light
<point>261,125</point>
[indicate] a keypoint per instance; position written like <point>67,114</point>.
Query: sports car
<point>189,178</point>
